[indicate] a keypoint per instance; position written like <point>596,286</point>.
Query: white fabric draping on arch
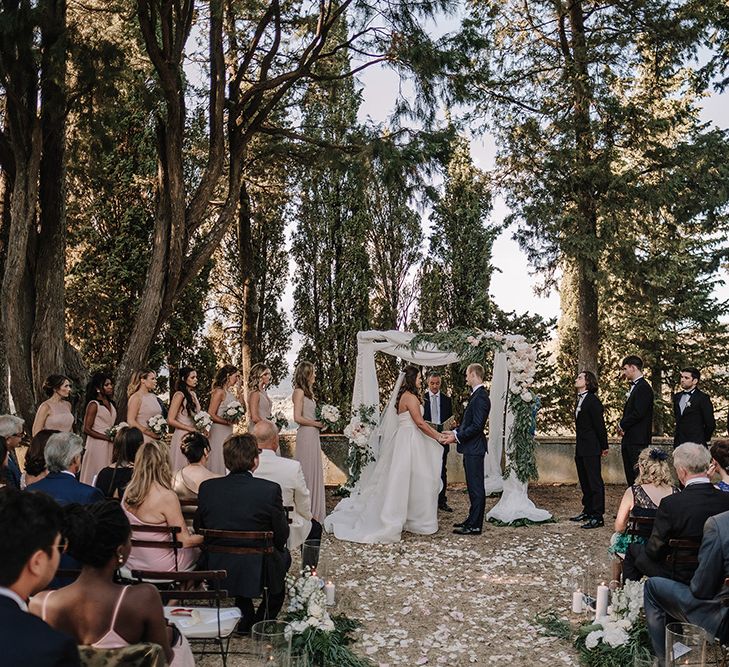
<point>514,503</point>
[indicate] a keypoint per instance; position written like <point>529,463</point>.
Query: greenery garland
<point>473,346</point>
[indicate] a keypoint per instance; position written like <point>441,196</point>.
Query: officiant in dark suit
<point>437,409</point>
<point>636,426</point>
<point>693,411</point>
<point>471,442</point>
<point>591,445</point>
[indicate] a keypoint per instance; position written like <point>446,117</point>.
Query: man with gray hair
<point>680,516</point>
<point>63,460</point>
<point>11,428</point>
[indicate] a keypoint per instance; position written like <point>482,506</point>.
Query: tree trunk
<point>248,341</point>
<point>5,190</point>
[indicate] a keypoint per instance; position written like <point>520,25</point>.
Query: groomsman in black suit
<point>437,409</point>
<point>592,444</point>
<point>636,426</point>
<point>693,411</point>
<point>471,442</point>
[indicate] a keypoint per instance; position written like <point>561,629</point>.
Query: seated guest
<point>113,480</point>
<point>244,503</point>
<point>186,481</point>
<point>701,602</point>
<point>63,460</point>
<point>287,473</point>
<point>93,609</point>
<point>30,548</point>
<point>680,516</point>
<point>150,501</point>
<point>720,464</point>
<point>35,458</point>
<point>654,482</point>
<point>11,428</point>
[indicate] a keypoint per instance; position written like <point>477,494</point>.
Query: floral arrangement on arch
<point>475,346</point>
<point>359,431</point>
<point>324,638</point>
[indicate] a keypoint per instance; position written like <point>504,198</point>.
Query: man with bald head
<point>287,473</point>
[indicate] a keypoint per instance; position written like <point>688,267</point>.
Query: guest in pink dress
<point>100,416</point>
<point>143,404</point>
<point>150,501</point>
<point>308,446</point>
<point>259,404</point>
<point>93,609</point>
<point>55,412</point>
<point>224,384</point>
<point>183,407</point>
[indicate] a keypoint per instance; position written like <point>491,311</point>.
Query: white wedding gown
<point>400,494</point>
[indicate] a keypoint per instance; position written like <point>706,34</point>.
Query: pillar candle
<point>601,604</point>
<point>329,590</point>
<point>577,602</point>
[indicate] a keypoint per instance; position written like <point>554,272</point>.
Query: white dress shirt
<point>434,407</point>
<point>8,593</point>
<point>580,399</point>
<point>287,473</point>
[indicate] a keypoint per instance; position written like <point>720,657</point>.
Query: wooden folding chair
<point>640,526</point>
<point>683,552</point>
<point>214,624</point>
<point>171,543</point>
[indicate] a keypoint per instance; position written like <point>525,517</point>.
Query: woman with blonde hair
<point>150,501</point>
<point>259,404</point>
<point>220,397</point>
<point>143,404</point>
<point>654,482</point>
<point>308,445</point>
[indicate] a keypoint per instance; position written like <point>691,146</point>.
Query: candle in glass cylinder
<point>329,591</point>
<point>601,603</point>
<point>577,602</point>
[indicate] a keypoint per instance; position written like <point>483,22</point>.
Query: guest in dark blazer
<point>63,460</point>
<point>680,516</point>
<point>471,442</point>
<point>636,426</point>
<point>30,525</point>
<point>11,428</point>
<point>693,411</point>
<point>437,408</point>
<point>246,503</point>
<point>700,603</point>
<point>591,445</point>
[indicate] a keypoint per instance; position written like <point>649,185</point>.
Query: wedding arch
<point>511,421</point>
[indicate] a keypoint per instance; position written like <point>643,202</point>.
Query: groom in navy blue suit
<point>471,442</point>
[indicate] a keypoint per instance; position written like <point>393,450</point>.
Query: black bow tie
<point>687,393</point>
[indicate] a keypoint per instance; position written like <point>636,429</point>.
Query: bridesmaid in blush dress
<point>308,446</point>
<point>222,395</point>
<point>99,418</point>
<point>55,412</point>
<point>259,404</point>
<point>143,403</point>
<point>183,407</point>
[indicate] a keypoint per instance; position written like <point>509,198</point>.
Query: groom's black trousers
<point>473,465</point>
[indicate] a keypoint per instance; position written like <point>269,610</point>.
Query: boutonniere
<point>578,410</point>
<point>627,394</point>
<point>688,404</point>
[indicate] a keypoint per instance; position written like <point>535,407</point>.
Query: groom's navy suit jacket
<point>471,438</point>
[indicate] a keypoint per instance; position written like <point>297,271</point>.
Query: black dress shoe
<point>580,517</point>
<point>594,522</point>
<point>444,508</point>
<point>465,530</point>
<point>459,525</point>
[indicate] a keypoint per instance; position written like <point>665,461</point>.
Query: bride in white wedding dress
<point>401,493</point>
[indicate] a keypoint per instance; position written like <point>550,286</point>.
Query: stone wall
<point>555,460</point>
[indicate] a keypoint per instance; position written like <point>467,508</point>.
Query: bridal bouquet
<point>325,639</point>
<point>232,412</point>
<point>158,425</point>
<point>203,421</point>
<point>112,432</point>
<point>281,420</point>
<point>329,414</point>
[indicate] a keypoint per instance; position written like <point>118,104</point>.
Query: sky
<point>513,283</point>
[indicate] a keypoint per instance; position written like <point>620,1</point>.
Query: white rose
<point>315,610</point>
<point>593,638</point>
<point>615,636</point>
<point>526,396</point>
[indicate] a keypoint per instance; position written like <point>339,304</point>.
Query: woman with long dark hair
<point>183,407</point>
<point>35,459</point>
<point>55,412</point>
<point>113,480</point>
<point>401,493</point>
<point>99,417</point>
<point>93,609</point>
<point>221,397</point>
<point>308,444</point>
